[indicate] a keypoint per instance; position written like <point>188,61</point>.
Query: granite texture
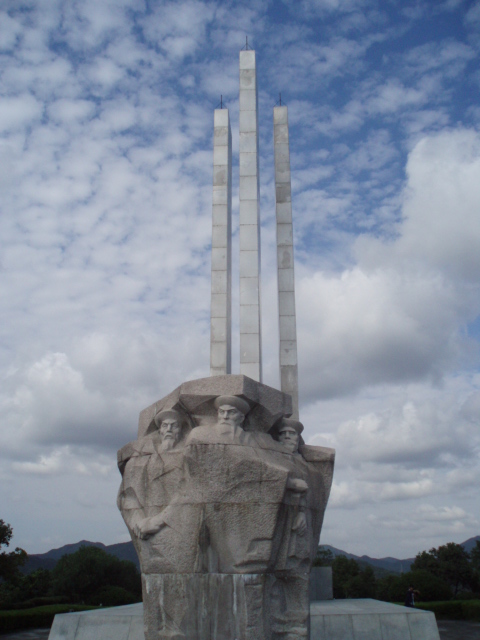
<point>249,221</point>
<point>366,619</point>
<point>221,294</point>
<point>116,623</point>
<point>335,620</point>
<point>285,269</point>
<point>224,503</point>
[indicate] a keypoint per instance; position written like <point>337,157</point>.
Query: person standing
<point>410,597</point>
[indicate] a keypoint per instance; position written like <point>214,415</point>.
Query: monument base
<point>366,619</point>
<point>214,606</point>
<point>329,620</point>
<point>321,584</point>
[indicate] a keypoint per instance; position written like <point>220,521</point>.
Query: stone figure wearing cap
<point>152,470</point>
<point>224,519</point>
<point>228,428</point>
<point>290,591</point>
<point>314,466</point>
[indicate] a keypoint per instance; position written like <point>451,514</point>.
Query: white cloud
<point>16,112</point>
<point>376,326</point>
<point>179,27</point>
<point>472,17</point>
<point>399,314</point>
<point>441,225</point>
<point>10,29</point>
<point>70,111</point>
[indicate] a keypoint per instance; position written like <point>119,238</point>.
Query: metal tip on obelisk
<point>246,46</point>
<point>221,104</point>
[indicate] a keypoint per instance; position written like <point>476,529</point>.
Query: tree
<point>430,587</point>
<point>34,587</point>
<point>37,584</point>
<point>450,563</point>
<point>386,587</point>
<point>82,574</point>
<point>9,562</point>
<point>363,585</point>
<point>475,556</point>
<point>343,570</point>
<point>324,558</point>
<point>475,562</point>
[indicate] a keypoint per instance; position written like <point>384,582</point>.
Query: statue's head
<point>231,410</point>
<point>288,433</point>
<point>170,426</point>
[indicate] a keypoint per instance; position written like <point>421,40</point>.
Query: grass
<point>36,617</point>
<point>453,609</point>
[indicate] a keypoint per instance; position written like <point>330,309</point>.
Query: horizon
<point>325,544</point>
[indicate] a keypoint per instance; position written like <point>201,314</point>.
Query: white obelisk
<point>286,279</point>
<point>221,301</point>
<point>250,312</point>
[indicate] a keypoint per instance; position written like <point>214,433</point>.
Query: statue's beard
<point>290,446</point>
<point>167,443</point>
<point>230,423</point>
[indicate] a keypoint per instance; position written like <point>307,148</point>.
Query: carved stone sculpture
<point>224,503</point>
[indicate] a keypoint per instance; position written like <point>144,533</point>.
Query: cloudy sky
<point>106,124</point>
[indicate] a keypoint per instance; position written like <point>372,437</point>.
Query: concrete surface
<point>116,623</point>
<point>249,219</point>
<point>221,294</point>
<point>366,619</point>
<point>321,585</point>
<point>448,629</point>
<point>332,620</point>
<point>285,269</point>
<point>458,630</point>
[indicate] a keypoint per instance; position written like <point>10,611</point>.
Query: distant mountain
<point>391,565</point>
<point>56,554</point>
<point>470,543</point>
<point>48,560</point>
<point>126,551</point>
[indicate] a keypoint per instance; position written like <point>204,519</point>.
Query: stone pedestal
<point>366,619</point>
<point>321,584</point>
<point>210,606</point>
<point>335,620</point>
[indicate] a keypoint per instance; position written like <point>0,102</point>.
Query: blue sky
<point>106,123</point>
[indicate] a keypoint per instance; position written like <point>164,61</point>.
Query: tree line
<point>89,576</point>
<point>446,573</point>
<point>93,576</point>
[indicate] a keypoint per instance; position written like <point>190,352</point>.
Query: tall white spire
<point>221,301</point>
<point>250,311</point>
<point>286,279</point>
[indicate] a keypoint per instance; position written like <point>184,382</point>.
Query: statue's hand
<point>148,526</point>
<point>297,485</point>
<point>300,524</point>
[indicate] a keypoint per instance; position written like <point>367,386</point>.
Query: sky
<point>106,137</point>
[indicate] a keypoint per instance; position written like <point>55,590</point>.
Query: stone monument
<point>224,503</point>
<point>222,498</point>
